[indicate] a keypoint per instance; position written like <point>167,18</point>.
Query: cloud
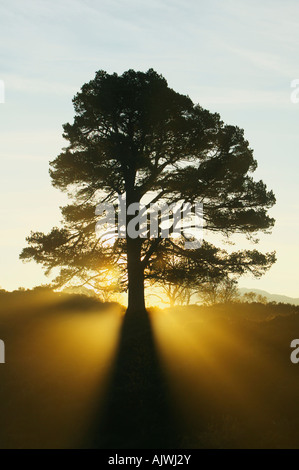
<point>240,97</point>
<point>36,86</point>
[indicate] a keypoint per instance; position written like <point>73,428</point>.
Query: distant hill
<point>271,297</point>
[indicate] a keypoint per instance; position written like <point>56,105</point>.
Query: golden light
<point>56,375</point>
<point>213,369</point>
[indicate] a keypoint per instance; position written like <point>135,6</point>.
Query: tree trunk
<point>136,301</point>
<point>135,268</point>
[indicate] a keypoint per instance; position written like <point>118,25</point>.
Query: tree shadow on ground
<point>137,413</point>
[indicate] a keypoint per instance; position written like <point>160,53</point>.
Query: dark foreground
<point>79,374</point>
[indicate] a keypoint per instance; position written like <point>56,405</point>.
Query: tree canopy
<point>132,134</point>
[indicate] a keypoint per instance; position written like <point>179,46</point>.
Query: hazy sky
<point>236,57</point>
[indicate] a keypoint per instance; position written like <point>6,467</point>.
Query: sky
<point>234,57</point>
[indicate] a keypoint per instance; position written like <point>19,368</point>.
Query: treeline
<point>44,297</point>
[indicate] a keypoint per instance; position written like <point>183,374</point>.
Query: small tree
<point>134,135</point>
<point>213,291</point>
<point>250,297</point>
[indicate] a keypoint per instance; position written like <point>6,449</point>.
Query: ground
<point>79,374</point>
